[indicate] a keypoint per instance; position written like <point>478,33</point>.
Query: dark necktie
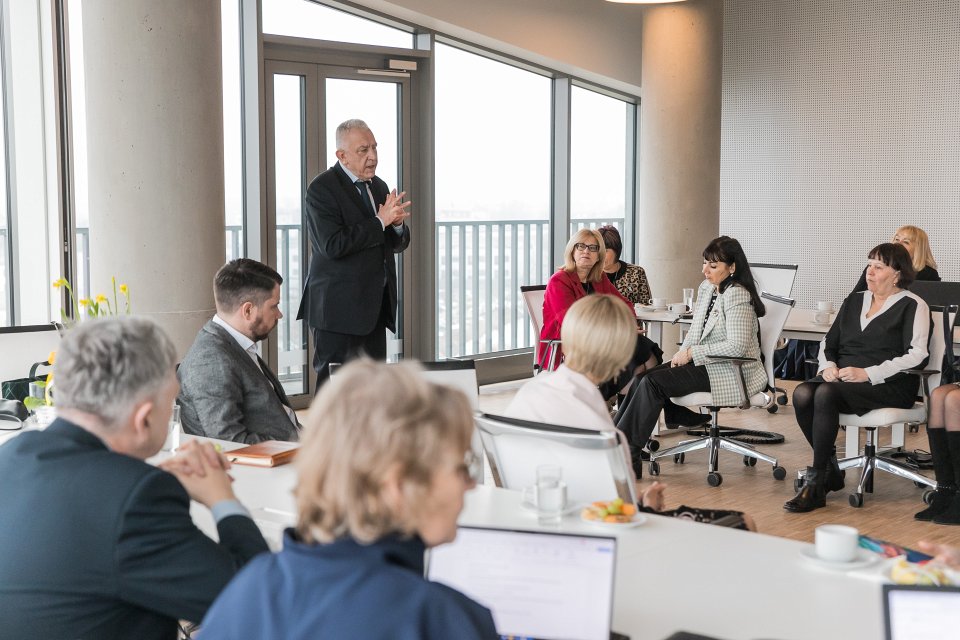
<point>274,382</point>
<point>363,185</point>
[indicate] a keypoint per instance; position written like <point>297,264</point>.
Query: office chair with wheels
<point>869,461</point>
<point>777,279</point>
<point>771,325</point>
<point>533,299</point>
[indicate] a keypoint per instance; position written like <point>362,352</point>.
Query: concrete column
<point>682,47</point>
<point>155,155</point>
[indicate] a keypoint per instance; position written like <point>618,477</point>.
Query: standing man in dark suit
<point>227,391</point>
<point>95,542</point>
<point>356,226</point>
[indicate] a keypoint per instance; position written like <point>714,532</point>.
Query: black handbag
<point>19,389</point>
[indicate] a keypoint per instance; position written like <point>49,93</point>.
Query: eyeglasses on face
<point>592,248</point>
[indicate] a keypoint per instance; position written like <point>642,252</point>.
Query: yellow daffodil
<point>59,283</point>
<point>85,302</point>
<point>124,290</point>
<point>51,357</point>
<point>101,298</point>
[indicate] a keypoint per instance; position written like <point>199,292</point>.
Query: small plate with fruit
<point>614,514</point>
<point>928,573</point>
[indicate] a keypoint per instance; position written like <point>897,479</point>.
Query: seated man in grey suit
<point>95,542</point>
<point>227,391</point>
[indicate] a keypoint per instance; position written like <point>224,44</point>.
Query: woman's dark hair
<point>727,250</point>
<point>897,257</point>
<point>611,238</point>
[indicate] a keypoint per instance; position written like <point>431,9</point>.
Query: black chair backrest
<point>938,294</point>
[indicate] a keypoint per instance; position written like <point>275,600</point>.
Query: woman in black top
<point>877,334</point>
<point>914,240</point>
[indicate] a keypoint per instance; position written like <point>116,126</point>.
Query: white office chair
<point>462,375</point>
<point>869,461</point>
<point>533,299</point>
<point>771,325</point>
<point>594,464</point>
<point>777,279</point>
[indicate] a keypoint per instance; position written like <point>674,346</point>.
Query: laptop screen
<point>921,613</point>
<point>550,586</point>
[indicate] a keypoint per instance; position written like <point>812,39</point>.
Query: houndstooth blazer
<point>731,330</point>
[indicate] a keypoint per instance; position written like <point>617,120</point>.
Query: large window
<point>601,161</point>
<point>232,128</point>
<point>493,196</point>
<point>29,221</point>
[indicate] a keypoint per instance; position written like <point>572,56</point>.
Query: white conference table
<point>671,574</point>
<point>799,325</point>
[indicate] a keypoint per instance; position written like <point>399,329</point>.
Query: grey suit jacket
<point>224,394</point>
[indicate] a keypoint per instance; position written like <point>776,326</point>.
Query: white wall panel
<point>841,122</point>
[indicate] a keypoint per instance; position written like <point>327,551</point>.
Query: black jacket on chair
<point>97,544</point>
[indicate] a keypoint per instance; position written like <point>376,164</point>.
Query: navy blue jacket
<point>96,544</point>
<point>344,590</point>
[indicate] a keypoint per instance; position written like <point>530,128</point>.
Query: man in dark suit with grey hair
<point>356,226</point>
<point>227,390</point>
<point>95,542</point>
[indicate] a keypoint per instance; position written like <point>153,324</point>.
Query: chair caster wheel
<point>919,485</point>
<point>772,408</point>
<point>714,479</point>
<point>654,468</point>
<point>779,473</point>
<point>856,500</point>
<point>653,445</point>
<point>782,400</point>
<point>928,496</point>
<point>678,458</point>
<point>749,462</point>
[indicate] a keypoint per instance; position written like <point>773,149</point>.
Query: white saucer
<point>651,308</point>
<point>638,519</point>
<point>864,558</point>
<point>570,508</point>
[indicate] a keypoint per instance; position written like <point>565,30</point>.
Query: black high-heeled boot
<point>812,495</point>
<point>943,472</point>
<point>942,499</point>
<point>833,479</point>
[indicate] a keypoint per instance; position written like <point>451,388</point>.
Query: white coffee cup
<point>822,317</point>
<point>825,305</point>
<point>658,303</point>
<point>837,542</point>
<point>678,307</point>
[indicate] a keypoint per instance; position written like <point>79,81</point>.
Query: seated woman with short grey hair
<point>383,467</point>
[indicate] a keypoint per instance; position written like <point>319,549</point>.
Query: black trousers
<point>651,393</point>
<point>332,347</point>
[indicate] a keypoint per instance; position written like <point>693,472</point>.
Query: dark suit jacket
<point>96,544</point>
<point>223,394</point>
<point>345,281</point>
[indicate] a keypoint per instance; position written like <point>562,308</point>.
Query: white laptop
<point>921,613</point>
<point>540,585</point>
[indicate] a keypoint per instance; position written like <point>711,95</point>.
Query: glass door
<point>304,103</point>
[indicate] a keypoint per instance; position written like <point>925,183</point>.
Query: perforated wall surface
<point>841,122</point>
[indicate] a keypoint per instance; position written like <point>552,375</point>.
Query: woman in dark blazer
<point>877,334</point>
<point>383,469</point>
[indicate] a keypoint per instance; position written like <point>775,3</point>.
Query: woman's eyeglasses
<point>592,248</point>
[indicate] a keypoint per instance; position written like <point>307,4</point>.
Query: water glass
<point>174,430</point>
<point>551,494</point>
<point>688,299</point>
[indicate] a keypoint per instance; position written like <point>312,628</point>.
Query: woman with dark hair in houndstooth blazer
<point>724,324</point>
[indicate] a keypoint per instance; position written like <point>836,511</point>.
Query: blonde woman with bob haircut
<point>383,467</point>
<point>915,241</point>
<point>581,275</point>
<point>598,332</point>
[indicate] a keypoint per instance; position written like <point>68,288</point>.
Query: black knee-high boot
<point>944,472</point>
<point>833,479</point>
<point>812,495</point>
<point>952,513</point>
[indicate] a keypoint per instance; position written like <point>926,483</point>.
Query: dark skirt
<point>642,351</point>
<point>858,398</point>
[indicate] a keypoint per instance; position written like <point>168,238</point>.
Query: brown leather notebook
<point>271,453</point>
